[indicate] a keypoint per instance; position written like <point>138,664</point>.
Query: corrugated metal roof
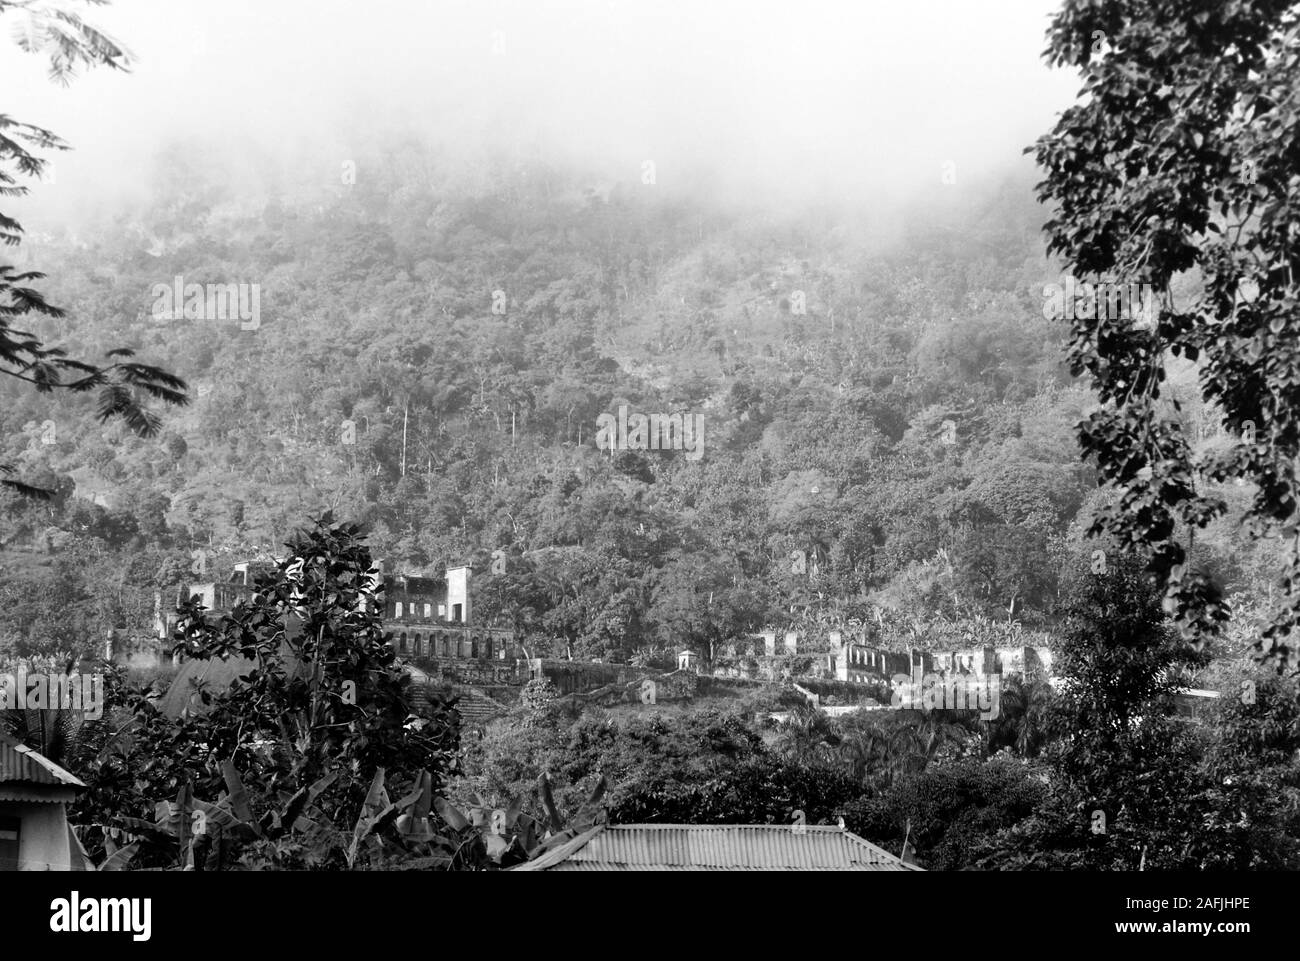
<point>717,847</point>
<point>18,762</point>
<point>37,793</point>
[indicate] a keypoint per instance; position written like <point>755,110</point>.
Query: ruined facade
<point>428,617</point>
<point>431,617</point>
<point>850,659</point>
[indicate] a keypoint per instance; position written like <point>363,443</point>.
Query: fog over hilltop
<point>761,103</point>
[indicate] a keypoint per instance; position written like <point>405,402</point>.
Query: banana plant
<point>420,846</point>
<point>115,858</point>
<point>590,813</point>
<point>378,809</point>
<point>175,822</point>
<point>510,836</point>
<point>198,827</point>
<point>506,833</point>
<point>414,824</point>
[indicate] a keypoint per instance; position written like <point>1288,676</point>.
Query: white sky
<point>858,99</point>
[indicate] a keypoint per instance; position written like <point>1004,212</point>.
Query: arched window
<point>401,644</point>
<point>416,645</point>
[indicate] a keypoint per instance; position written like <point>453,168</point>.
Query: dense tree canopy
<point>1177,170</point>
<point>124,386</point>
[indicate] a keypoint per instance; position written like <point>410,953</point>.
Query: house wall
<point>432,641</point>
<point>136,651</point>
<point>458,593</point>
<point>421,600</point>
<point>859,662</point>
<point>43,835</point>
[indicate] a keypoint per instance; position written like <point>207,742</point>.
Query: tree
<point>808,735</point>
<point>652,753</point>
<point>699,603</point>
<point>1252,784</point>
<point>758,789</point>
<point>349,701</point>
<point>1120,664</point>
<point>947,810</point>
<point>124,386</point>
<point>1180,163</point>
<point>1023,705</point>
<point>325,701</point>
<point>1130,783</point>
<point>55,732</point>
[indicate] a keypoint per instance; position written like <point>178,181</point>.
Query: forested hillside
<point>887,419</point>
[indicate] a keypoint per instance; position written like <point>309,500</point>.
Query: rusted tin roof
<point>717,847</point>
<point>19,763</point>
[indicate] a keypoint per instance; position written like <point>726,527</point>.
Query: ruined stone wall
<point>847,692</point>
<point>137,652</point>
<point>571,677</point>
<point>675,686</point>
<point>680,685</point>
<point>480,672</point>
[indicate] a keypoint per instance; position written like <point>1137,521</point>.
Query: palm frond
<point>117,400</point>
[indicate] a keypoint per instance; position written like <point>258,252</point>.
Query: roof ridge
<point>28,755</point>
<point>556,855</point>
<point>781,826</point>
<point>719,847</point>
